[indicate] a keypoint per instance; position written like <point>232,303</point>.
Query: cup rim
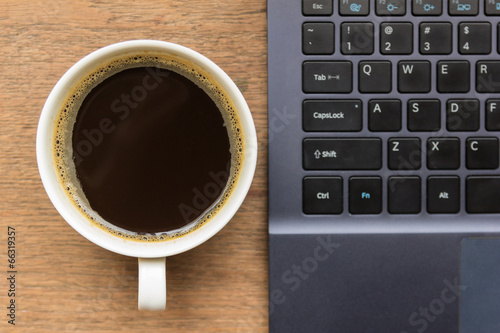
<point>89,230</point>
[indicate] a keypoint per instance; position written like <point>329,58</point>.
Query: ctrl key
<point>322,195</point>
<point>483,194</point>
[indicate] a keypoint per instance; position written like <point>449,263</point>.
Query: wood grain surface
<point>63,282</point>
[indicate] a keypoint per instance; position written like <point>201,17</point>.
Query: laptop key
<point>384,115</point>
<point>474,38</point>
<point>443,194</point>
<point>396,38</point>
<point>327,76</point>
<point>342,154</point>
<point>488,76</point>
<point>317,38</point>
<point>354,7</point>
<point>365,195</point>
<point>492,7</point>
<point>443,153</point>
<point>453,76</point>
<point>404,195</point>
<point>390,7</point>
<point>332,115</point>
<point>435,38</point>
<point>322,195</point>
<point>463,7</point>
<point>375,76</point>
<point>414,76</point>
<point>427,8</point>
<point>357,38</point>
<point>424,115</point>
<point>482,153</point>
<point>317,7</point>
<point>483,194</point>
<point>493,115</point>
<point>404,153</point>
<point>462,115</point>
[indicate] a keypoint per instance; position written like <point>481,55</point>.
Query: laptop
<point>384,178</point>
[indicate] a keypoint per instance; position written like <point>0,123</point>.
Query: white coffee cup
<point>152,267</point>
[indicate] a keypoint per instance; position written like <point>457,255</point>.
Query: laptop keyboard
<point>400,107</point>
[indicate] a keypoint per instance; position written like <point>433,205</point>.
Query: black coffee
<point>152,151</point>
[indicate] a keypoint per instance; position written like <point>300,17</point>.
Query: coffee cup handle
<point>152,284</point>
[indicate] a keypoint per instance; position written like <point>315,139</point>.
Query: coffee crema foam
<point>63,149</point>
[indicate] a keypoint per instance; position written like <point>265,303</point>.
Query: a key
<point>482,153</point>
<point>322,195</point>
<point>404,153</point>
<point>435,38</point>
<point>317,7</point>
<point>462,115</point>
<point>342,154</point>
<point>404,195</point>
<point>427,7</point>
<point>375,76</point>
<point>354,7</point>
<point>493,115</point>
<point>396,38</point>
<point>357,38</point>
<point>365,195</point>
<point>424,115</point>
<point>390,7</point>
<point>492,7</point>
<point>443,153</point>
<point>327,77</point>
<point>463,7</point>
<point>483,194</point>
<point>318,38</point>
<point>443,194</point>
<point>453,76</point>
<point>384,115</point>
<point>414,76</point>
<point>332,115</point>
<point>474,38</point>
<point>488,76</point>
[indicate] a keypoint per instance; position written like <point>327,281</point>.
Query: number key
<point>357,38</point>
<point>396,38</point>
<point>435,38</point>
<point>474,38</point>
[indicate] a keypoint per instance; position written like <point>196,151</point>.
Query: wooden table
<point>63,282</point>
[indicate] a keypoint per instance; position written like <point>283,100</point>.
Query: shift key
<point>342,153</point>
<point>327,77</point>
